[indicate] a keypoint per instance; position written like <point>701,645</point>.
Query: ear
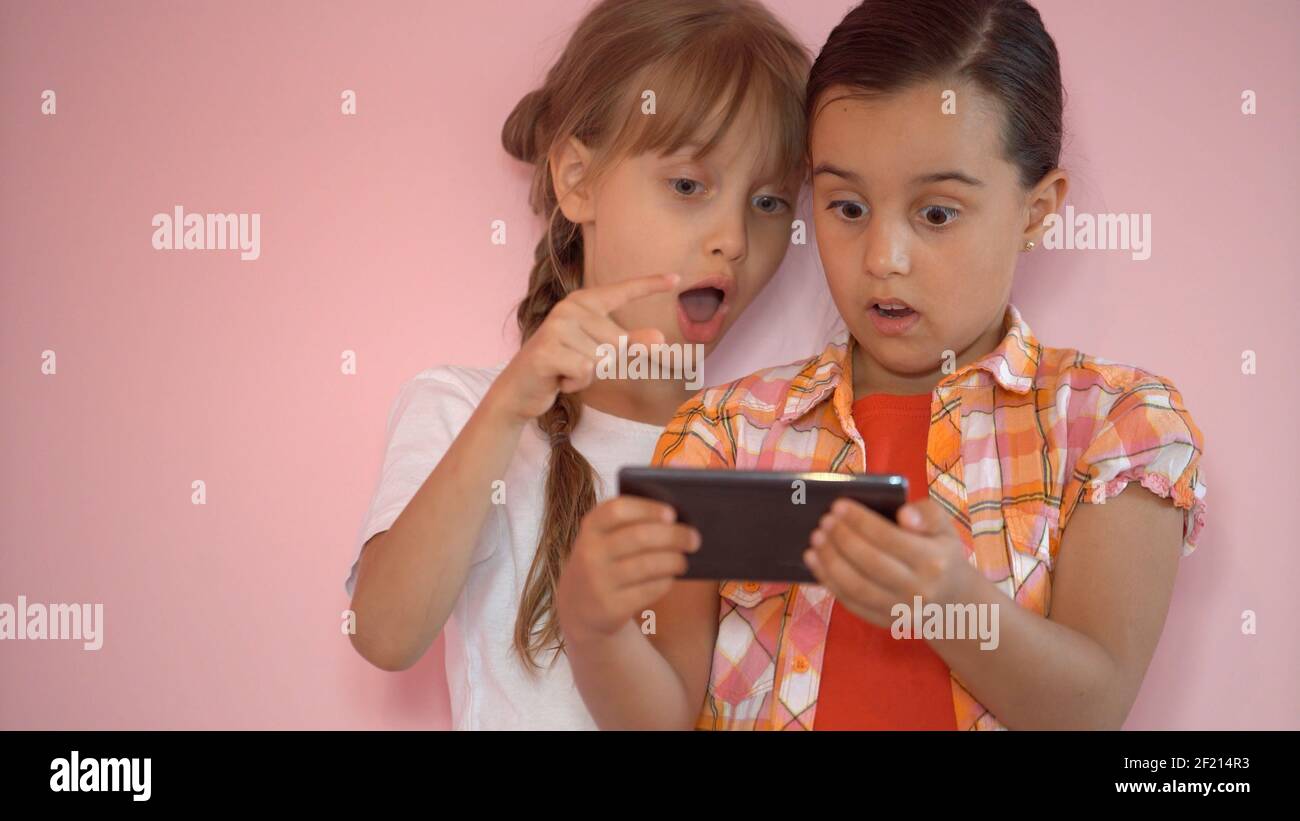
<point>569,163</point>
<point>1045,198</point>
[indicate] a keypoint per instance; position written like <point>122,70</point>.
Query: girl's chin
<point>902,358</point>
<point>867,335</point>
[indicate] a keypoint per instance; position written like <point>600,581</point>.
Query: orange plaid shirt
<point>1017,439</point>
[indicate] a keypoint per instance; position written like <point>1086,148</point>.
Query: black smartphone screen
<point>755,525</point>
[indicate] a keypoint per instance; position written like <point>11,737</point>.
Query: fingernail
<point>817,537</point>
<point>910,517</point>
<point>695,540</point>
<point>840,506</point>
<point>810,559</point>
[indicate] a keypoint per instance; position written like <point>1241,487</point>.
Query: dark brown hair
<point>882,46</point>
<point>705,60</point>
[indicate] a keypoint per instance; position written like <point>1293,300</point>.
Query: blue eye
<point>684,186</point>
<point>848,209</point>
<point>769,204</point>
<point>938,216</point>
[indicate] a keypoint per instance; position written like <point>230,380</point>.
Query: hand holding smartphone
<point>754,524</point>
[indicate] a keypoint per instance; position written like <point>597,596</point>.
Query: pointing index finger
<point>606,298</point>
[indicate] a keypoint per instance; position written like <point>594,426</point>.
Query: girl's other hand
<point>870,563</point>
<point>561,356</point>
<point>628,552</point>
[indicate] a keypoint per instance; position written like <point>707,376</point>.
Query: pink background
<point>375,238</point>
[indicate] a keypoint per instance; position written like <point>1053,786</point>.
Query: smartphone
<point>755,524</point>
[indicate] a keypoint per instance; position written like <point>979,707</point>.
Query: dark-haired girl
<point>934,136</point>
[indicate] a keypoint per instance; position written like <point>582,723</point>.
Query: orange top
<point>1018,439</point>
<point>870,680</point>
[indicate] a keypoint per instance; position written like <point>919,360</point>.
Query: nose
<point>887,250</point>
<point>728,236</point>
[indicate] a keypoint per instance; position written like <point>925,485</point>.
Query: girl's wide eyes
<point>848,209</point>
<point>770,204</point>
<point>685,186</point>
<point>767,203</point>
<point>937,216</point>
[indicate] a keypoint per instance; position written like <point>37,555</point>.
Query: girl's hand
<point>870,563</point>
<point>561,355</point>
<point>625,558</point>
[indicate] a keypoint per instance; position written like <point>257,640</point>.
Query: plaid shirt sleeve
<point>700,435</point>
<point>1148,437</point>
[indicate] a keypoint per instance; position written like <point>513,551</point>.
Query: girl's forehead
<point>921,102</point>
<point>921,124</point>
<point>751,144</point>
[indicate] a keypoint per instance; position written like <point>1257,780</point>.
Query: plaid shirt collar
<point>1012,365</point>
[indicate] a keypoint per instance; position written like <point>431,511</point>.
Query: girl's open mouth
<point>893,317</point>
<point>701,304</point>
<point>700,312</point>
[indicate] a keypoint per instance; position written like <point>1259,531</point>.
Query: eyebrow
<point>771,172</point>
<point>835,170</point>
<point>924,179</point>
<point>691,145</point>
<point>944,176</point>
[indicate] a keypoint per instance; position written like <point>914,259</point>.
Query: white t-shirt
<point>489,686</point>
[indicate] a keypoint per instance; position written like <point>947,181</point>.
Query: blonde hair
<point>695,55</point>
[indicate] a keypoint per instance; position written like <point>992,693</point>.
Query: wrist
<point>586,637</point>
<point>497,408</point>
<point>967,585</point>
<point>971,587</point>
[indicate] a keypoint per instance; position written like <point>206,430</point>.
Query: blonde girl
<point>668,148</point>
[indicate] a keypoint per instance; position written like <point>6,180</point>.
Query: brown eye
<point>848,209</point>
<point>938,216</point>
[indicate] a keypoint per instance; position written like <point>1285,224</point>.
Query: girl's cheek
<point>775,248</point>
<point>842,277</point>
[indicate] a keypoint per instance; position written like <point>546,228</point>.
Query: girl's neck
<point>650,401</point>
<point>869,376</point>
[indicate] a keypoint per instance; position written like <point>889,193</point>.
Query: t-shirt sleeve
<point>429,412</point>
<point>1148,437</point>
